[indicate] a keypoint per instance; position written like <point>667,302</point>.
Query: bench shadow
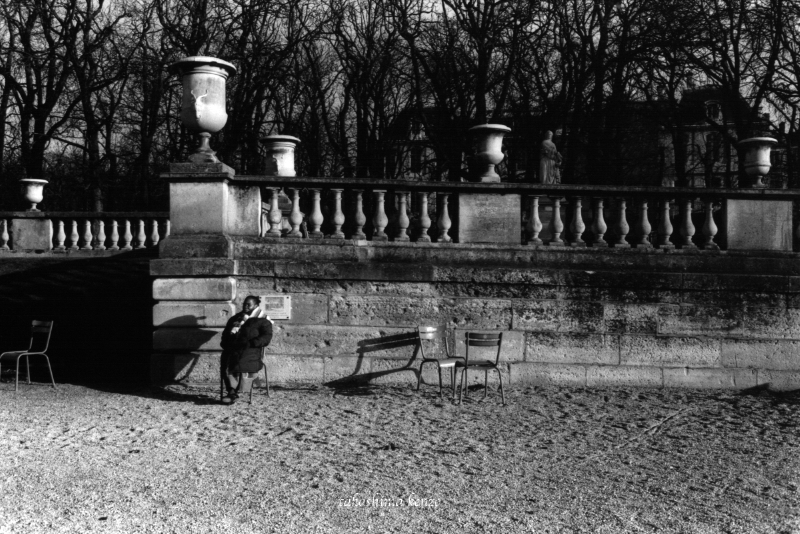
<point>360,383</point>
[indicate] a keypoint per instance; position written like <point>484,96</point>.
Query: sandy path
<point>554,460</point>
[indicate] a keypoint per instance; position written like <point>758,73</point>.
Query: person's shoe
<point>232,397</point>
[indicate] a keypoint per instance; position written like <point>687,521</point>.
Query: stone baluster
<point>534,224</point>
<point>402,216</point>
<point>73,236</point>
<point>141,236</point>
<point>127,236</point>
<point>664,226</point>
<point>100,238</point>
<point>87,235</point>
<point>424,218</point>
<point>166,229</point>
<point>643,226</point>
<point>316,218</point>
<point>154,237</point>
<point>296,216</point>
<point>275,216</point>
<point>379,219</point>
<point>621,227</point>
<point>338,214</point>
<point>360,219</point>
<point>61,236</point>
<point>599,226</point>
<point>114,235</point>
<point>686,228</point>
<point>4,235</point>
<point>444,223</point>
<point>709,227</point>
<point>577,226</point>
<point>556,226</point>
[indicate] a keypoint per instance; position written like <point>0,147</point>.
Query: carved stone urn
<point>33,189</point>
<point>756,157</point>
<point>488,150</point>
<point>203,104</point>
<point>280,155</point>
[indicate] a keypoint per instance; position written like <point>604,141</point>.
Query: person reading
<point>242,340</point>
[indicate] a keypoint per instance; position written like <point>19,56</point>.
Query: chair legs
<point>266,378</point>
<point>28,369</point>
<point>49,368</point>
<point>502,394</point>
<point>419,376</point>
<point>463,391</point>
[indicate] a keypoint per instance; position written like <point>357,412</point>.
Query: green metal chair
<point>40,341</point>
<point>474,339</point>
<point>432,333</point>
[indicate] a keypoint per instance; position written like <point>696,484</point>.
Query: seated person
<point>244,336</point>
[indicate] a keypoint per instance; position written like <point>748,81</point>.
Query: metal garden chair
<point>474,339</point>
<point>432,333</point>
<point>247,380</point>
<point>40,341</point>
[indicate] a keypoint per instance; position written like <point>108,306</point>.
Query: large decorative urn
<point>203,105</point>
<point>33,189</point>
<point>488,150</point>
<point>280,155</point>
<point>756,157</point>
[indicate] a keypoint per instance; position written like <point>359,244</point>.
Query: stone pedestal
<point>489,218</point>
<point>32,234</point>
<point>759,224</point>
<point>210,203</point>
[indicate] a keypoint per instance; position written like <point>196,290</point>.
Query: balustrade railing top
<point>554,215</point>
<point>565,190</point>
<point>78,230</point>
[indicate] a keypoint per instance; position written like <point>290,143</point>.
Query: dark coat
<point>242,350</point>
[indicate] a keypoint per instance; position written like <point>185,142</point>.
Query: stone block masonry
<point>574,317</point>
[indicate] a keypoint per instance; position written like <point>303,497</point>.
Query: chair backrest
<point>475,339</point>
<point>40,336</point>
<point>432,333</point>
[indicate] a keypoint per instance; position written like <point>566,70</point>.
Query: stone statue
<point>549,161</point>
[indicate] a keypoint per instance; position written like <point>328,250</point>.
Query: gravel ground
<point>387,459</point>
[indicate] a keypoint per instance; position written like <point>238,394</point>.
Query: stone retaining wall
<point>578,317</point>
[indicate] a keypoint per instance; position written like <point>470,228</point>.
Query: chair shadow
<point>775,396</point>
<point>358,383</point>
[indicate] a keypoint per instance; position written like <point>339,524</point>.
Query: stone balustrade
<point>614,217</point>
<point>73,231</point>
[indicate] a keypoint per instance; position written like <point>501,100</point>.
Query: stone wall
<point>677,318</point>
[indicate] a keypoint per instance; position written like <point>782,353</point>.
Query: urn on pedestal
<point>280,155</point>
<point>488,150</point>
<point>33,188</point>
<point>203,103</point>
<point>756,157</point>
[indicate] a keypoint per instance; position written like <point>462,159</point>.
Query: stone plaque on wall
<point>486,218</point>
<point>277,306</point>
